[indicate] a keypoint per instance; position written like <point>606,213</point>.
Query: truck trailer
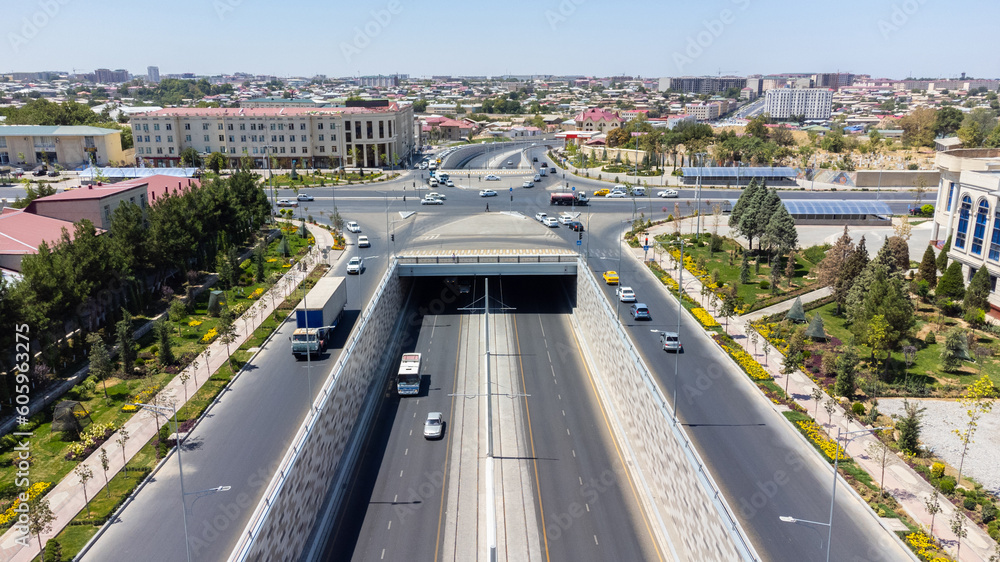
<point>317,315</point>
<point>568,199</point>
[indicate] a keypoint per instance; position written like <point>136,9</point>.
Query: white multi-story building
<point>814,103</point>
<point>369,136</point>
<point>968,211</point>
<point>153,74</point>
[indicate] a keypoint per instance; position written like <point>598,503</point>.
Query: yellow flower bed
<point>286,265</point>
<point>209,336</point>
<point>768,332</point>
<point>816,435</point>
<point>748,363</point>
<point>34,491</point>
<point>704,317</point>
<point>257,293</point>
<point>925,547</point>
<point>90,436</point>
<point>194,323</point>
<point>141,398</point>
<point>272,260</point>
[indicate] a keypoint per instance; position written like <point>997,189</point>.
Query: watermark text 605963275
<point>22,479</point>
<point>22,32</point>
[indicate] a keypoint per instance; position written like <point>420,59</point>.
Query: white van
<point>638,191</point>
<point>433,182</point>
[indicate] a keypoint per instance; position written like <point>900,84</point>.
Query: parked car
<point>625,294</point>
<point>667,193</point>
<point>491,177</point>
<point>363,242</point>
<point>611,277</point>
<point>287,203</point>
<point>487,193</point>
<point>53,174</point>
<point>304,197</point>
<point>355,266</point>
<point>431,201</point>
<point>671,341</point>
<point>434,426</point>
<point>640,311</point>
<point>353,226</point>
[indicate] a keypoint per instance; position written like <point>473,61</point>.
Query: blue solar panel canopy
<point>843,208</point>
<point>734,172</point>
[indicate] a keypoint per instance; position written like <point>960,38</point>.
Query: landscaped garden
<point>324,179</point>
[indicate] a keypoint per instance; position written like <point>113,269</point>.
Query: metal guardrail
<point>488,258</point>
<point>260,515</point>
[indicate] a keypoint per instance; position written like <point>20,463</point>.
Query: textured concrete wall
<point>293,513</point>
<point>906,178</point>
<point>691,522</point>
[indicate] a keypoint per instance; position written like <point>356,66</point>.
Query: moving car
<point>538,177</point>
<point>545,164</point>
<point>611,277</point>
<point>304,197</point>
<point>540,217</point>
<point>509,163</point>
<point>667,193</point>
<point>487,193</point>
<point>431,201</point>
<point>491,177</point>
<point>434,426</point>
<point>287,203</point>
<point>355,266</point>
<point>363,242</point>
<point>671,341</point>
<point>53,174</point>
<point>353,226</point>
<point>640,311</point>
<point>535,159</point>
<point>435,195</point>
<point>576,226</point>
<point>566,218</point>
<point>625,294</point>
<point>450,183</point>
<point>551,222</point>
<point>602,192</point>
<point>528,183</point>
<point>616,195</point>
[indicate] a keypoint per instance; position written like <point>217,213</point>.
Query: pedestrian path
<point>784,305</point>
<point>902,482</point>
<point>66,498</point>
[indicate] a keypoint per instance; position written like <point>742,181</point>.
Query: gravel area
<point>942,417</point>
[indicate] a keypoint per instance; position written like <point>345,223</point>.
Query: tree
<point>420,106</point>
<point>105,464</point>
<point>875,292</point>
<point>815,329</point>
<point>845,366</point>
<point>782,136</point>
<point>950,286</point>
<point>796,313</point>
<point>894,254</point>
<point>40,518</point>
<point>743,203</point>
<point>745,270</point>
<point>958,528</point>
<point>942,259</point>
<point>789,268</point>
<point>100,360</point>
<point>978,292</point>
<point>162,331</point>
<point>879,452</point>
<point>855,264</point>
<point>878,339</point>
<point>780,232</point>
<point>908,426</point>
<point>227,328</point>
<point>84,473</point>
<point>948,120</point>
<point>978,399</point>
<point>126,345</point>
<point>833,262</point>
<point>190,157</point>
<point>121,441</point>
<point>756,127</point>
<point>918,127</point>
<point>933,506</point>
<point>216,162</point>
<point>928,269</point>
<point>953,350</point>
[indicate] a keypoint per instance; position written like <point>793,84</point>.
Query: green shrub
<point>969,503</point>
<point>989,513</point>
<point>937,470</point>
<point>53,551</point>
<point>931,338</point>
<point>947,485</point>
<point>857,408</point>
<point>765,284</point>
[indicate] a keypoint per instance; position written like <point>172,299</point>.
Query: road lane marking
<point>390,525</point>
<point>406,452</point>
<point>383,555</point>
<point>595,540</point>
<point>400,473</point>
<point>574,452</point>
<point>447,453</point>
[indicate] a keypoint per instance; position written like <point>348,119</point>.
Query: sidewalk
<point>66,498</point>
<point>902,482</point>
<point>786,304</point>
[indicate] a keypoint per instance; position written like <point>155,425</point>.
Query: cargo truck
<point>568,199</point>
<point>317,315</point>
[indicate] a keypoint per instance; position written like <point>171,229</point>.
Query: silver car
<point>671,341</point>
<point>434,426</point>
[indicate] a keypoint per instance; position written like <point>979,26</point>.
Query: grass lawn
<point>305,179</point>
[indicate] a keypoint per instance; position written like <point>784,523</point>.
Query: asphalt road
<point>239,444</point>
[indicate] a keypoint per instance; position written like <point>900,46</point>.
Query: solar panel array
<point>799,207</point>
<point>720,172</point>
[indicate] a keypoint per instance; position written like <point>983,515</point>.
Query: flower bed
<point>704,317</point>
<point>749,365</point>
<point>924,547</point>
<point>209,336</point>
<point>822,442</point>
<point>256,294</point>
<point>33,492</point>
<point>141,398</point>
<point>90,440</point>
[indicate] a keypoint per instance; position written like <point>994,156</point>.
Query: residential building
<point>281,102</point>
<point>596,119</point>
<point>704,111</point>
<point>153,74</point>
<point>814,103</point>
<point>22,232</point>
<point>369,134</point>
<point>671,121</point>
<point>453,129</point>
<point>67,146</point>
<point>705,84</point>
<point>105,76</point>
<point>968,211</point>
<point>833,80</point>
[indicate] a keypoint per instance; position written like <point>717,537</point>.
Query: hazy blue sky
<point>896,38</point>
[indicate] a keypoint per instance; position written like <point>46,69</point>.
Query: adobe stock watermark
<point>899,17</point>
<point>563,11</point>
<point>713,28</point>
<point>374,27</point>
<point>31,26</point>
<point>224,7</point>
<point>590,492</point>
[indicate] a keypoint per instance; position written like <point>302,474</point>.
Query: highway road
<point>239,443</point>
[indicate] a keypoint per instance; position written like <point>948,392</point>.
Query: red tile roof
<point>265,111</point>
<point>22,232</point>
<point>158,186</point>
<point>596,114</point>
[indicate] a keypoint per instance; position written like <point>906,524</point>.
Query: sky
<point>884,38</point>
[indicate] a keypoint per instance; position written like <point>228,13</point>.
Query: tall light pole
<point>680,310</point>
<point>701,161</point>
<point>841,434</point>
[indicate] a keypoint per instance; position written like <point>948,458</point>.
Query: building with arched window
<point>968,211</point>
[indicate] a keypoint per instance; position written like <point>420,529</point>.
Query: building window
<point>170,138</point>
<point>272,126</point>
<point>243,138</point>
<point>232,150</point>
<point>302,138</point>
<point>169,127</point>
<point>321,138</point>
<point>206,138</point>
<point>281,138</point>
<point>963,222</point>
<point>232,138</point>
<point>333,137</point>
<point>319,126</point>
<point>274,138</point>
<point>243,126</point>
<point>222,138</point>
<point>220,126</point>
<point>170,150</point>
<point>982,217</point>
<point>302,126</point>
<point>157,138</point>
<point>159,150</point>
<point>187,138</point>
<point>145,127</point>
<point>282,150</point>
<point>204,126</point>
<point>321,148</point>
<point>993,283</point>
<point>187,126</point>
<point>370,130</point>
<point>292,149</point>
<point>381,129</point>
<point>107,213</point>
<point>305,150</point>
<point>995,240</point>
<point>230,126</point>
<point>951,192</point>
<point>156,126</point>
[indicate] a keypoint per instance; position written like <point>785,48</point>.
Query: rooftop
<point>22,232</point>
<point>264,111</point>
<point>53,131</point>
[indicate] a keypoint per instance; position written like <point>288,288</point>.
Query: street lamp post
<point>841,434</point>
<point>680,305</point>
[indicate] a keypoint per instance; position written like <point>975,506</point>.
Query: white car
<point>487,193</point>
<point>667,193</point>
<point>287,203</point>
<point>616,195</point>
<point>431,201</point>
<point>450,183</point>
<point>434,426</point>
<point>625,294</point>
<point>435,195</point>
<point>423,165</point>
<point>538,177</point>
<point>566,218</point>
<point>363,242</point>
<point>528,183</point>
<point>540,217</point>
<point>551,222</point>
<point>355,266</point>
<point>353,226</point>
<point>304,197</point>
<point>491,177</point>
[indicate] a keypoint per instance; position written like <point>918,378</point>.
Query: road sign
<point>645,248</point>
<point>579,242</point>
<point>573,188</point>
<point>510,189</point>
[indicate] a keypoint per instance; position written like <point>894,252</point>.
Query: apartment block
<point>68,146</point>
<point>814,103</point>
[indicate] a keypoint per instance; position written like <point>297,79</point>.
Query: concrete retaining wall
<point>908,178</point>
<point>689,519</point>
<point>286,515</point>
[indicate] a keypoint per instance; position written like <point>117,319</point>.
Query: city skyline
<point>567,37</point>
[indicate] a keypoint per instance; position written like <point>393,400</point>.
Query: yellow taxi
<point>602,192</point>
<point>611,277</point>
